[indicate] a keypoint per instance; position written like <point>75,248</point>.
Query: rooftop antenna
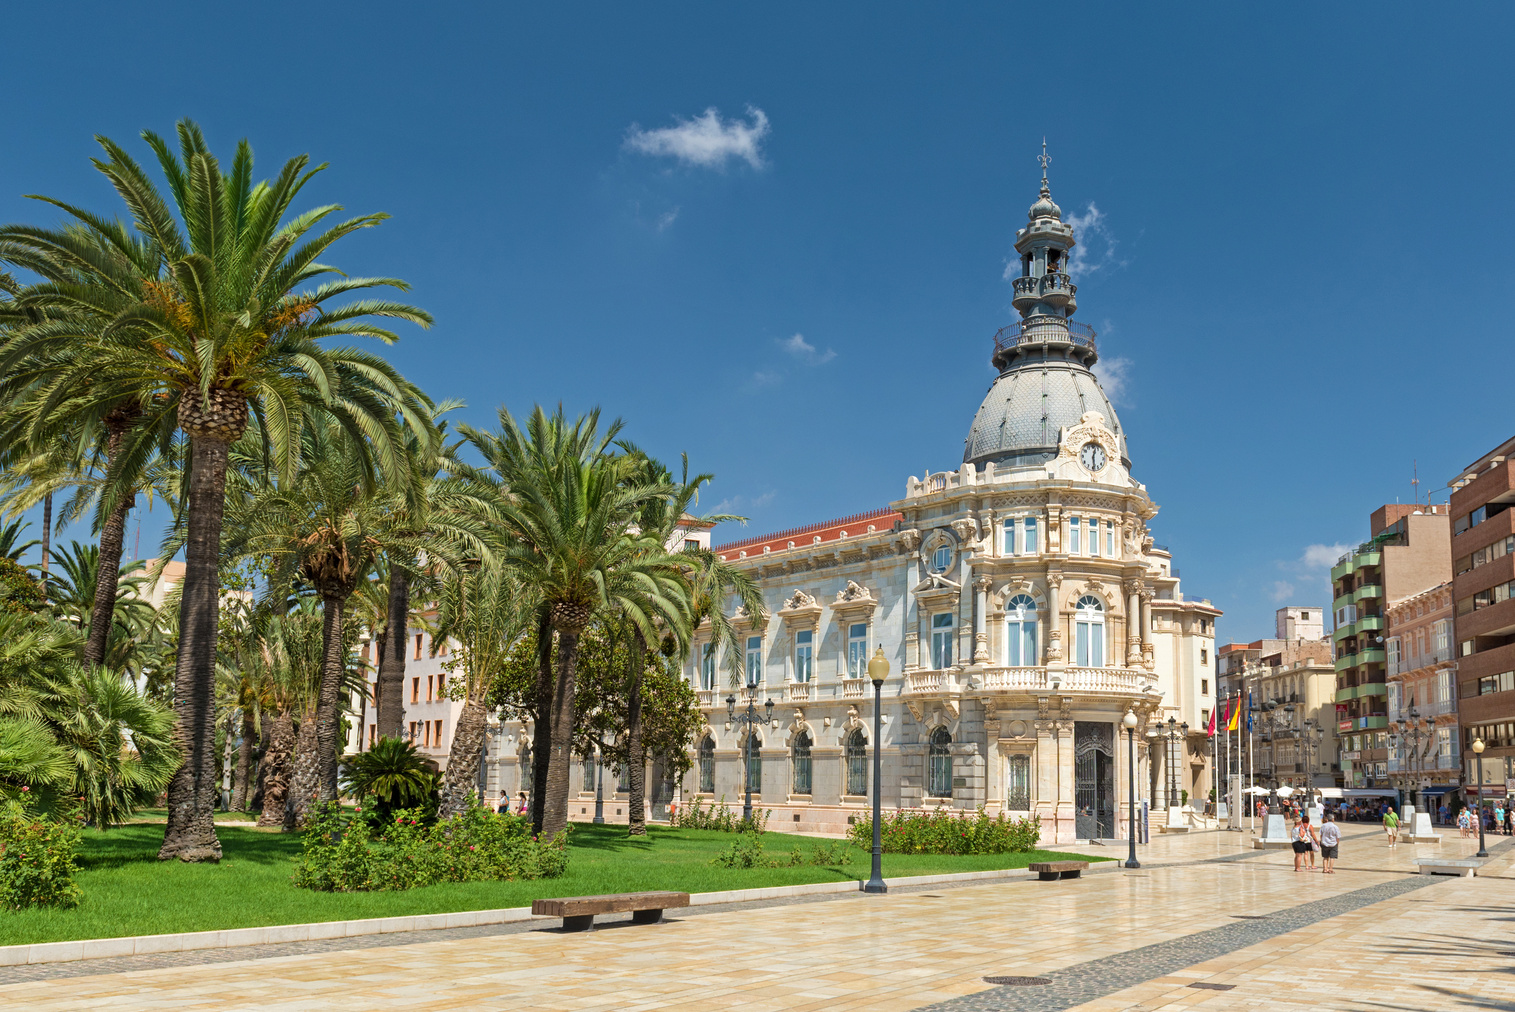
<point>1045,160</point>
<point>1415,479</point>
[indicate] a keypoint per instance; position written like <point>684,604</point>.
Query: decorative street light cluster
<point>1129,722</point>
<point>749,718</point>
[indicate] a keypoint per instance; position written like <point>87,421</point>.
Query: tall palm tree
<point>569,514</point>
<point>11,545</point>
<point>230,327</point>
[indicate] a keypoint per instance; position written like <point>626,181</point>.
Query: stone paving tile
<point>1157,929</point>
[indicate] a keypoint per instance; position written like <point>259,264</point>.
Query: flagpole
<point>1251,765</point>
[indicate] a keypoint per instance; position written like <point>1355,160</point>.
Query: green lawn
<point>127,891</point>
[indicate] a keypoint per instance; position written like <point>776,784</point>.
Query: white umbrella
<point>1256,790</point>
<point>1285,792</point>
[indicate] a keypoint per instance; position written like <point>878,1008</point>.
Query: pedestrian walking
<point>1314,841</point>
<point>1509,819</point>
<point>1391,826</point>
<point>521,808</point>
<point>1302,842</point>
<point>502,806</point>
<point>1330,840</point>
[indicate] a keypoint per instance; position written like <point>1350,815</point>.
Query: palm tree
<point>569,514</point>
<point>286,663</point>
<point>393,773</point>
<point>485,610</point>
<point>11,545</point>
<point>228,328</point>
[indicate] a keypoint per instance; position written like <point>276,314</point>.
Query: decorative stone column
<point>1133,623</point>
<point>1149,658</point>
<point>1054,618</point>
<point>980,618</point>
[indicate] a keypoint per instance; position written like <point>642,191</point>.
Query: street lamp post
<point>1478,751</point>
<point>878,670</point>
<point>749,718</point>
<point>599,783</point>
<point>1129,720</point>
<point>1172,765</point>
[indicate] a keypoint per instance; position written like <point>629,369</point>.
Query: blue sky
<point>1297,224</point>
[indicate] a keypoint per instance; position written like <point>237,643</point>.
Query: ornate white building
<point>1020,600</point>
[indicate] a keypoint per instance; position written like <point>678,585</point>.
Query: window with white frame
<point>802,655</point>
<point>707,666</point>
<point>1020,632</point>
<point>941,640</point>
<point>1110,538</point>
<point>941,559</point>
<point>1009,543</point>
<point>1394,696</point>
<point>1093,536</point>
<point>1074,530</point>
<point>1394,656</point>
<point>1030,539</point>
<point>1444,742</point>
<point>1443,639</point>
<point>754,660</point>
<point>1089,632</point>
<point>857,650</point>
<point>1444,685</point>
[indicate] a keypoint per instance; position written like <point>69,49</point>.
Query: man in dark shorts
<point>1330,840</point>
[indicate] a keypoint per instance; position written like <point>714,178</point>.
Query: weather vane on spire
<point>1045,160</point>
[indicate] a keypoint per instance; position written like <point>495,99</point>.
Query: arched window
<point>800,757</point>
<point>707,765</point>
<point>754,758</point>
<point>941,559</point>
<point>1020,632</point>
<point>857,763</point>
<point>939,764</point>
<point>707,666</point>
<point>1089,633</point>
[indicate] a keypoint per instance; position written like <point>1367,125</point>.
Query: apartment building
<point>1291,692</point>
<point>1483,585</point>
<point>1424,760</point>
<point>1405,555</point>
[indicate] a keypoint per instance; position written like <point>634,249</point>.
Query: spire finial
<point>1045,160</point>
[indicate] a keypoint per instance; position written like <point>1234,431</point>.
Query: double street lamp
<point>749,718</point>
<point>1176,732</point>
<point>1129,721</point>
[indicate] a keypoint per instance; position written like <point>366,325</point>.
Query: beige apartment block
<point>1422,680</point>
<point>1291,694</point>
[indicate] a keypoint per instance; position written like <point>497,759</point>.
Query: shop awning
<point>1439,789</point>
<point>1357,792</point>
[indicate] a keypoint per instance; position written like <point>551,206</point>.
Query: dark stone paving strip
<point>1099,977</point>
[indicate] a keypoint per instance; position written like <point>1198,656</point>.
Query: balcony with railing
<point>1054,287</point>
<point>1039,332</point>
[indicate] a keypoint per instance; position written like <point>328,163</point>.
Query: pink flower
<point>25,789</point>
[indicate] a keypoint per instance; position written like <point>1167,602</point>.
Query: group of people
<point>1497,818</point>
<point>502,806</point>
<point>1309,841</point>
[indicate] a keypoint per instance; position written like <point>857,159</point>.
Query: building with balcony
<point>1019,599</point>
<point>1290,737</point>
<point>1423,757</point>
<point>1483,592</point>
<point>1405,556</point>
<point>1291,624</point>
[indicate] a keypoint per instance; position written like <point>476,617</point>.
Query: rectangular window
<point>1394,656</point>
<point>802,655</point>
<point>1030,548</point>
<point>415,689</point>
<point>1018,783</point>
<point>1009,537</point>
<point>373,731</point>
<point>1110,538</point>
<point>413,731</point>
<point>754,660</point>
<point>857,650</point>
<point>426,734</point>
<point>941,559</point>
<point>690,544</point>
<point>707,666</point>
<point>428,688</point>
<point>441,686</point>
<point>1204,686</point>
<point>1204,656</point>
<point>418,646</point>
<point>438,738</point>
<point>941,640</point>
<point>1074,529</point>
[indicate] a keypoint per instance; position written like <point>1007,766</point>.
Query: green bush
<point>342,853</point>
<point>38,858</point>
<point>944,831</point>
<point>747,852</point>
<point>720,818</point>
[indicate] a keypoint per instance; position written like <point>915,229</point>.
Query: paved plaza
<point>1205,921</point>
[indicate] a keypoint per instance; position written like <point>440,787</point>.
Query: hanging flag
<point>1211,731</point>
<point>1235,714</point>
<point>1249,711</point>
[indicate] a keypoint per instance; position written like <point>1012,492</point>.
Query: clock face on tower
<point>1092,456</point>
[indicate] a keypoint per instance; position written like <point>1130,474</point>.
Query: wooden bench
<point>1051,871</point>
<point>1466,867</point>
<point>578,911</point>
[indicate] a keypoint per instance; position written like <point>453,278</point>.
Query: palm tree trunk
<point>191,833</point>
<point>274,772</point>
<point>324,740</point>
<point>47,539</point>
<point>555,803</point>
<point>636,762</point>
<point>240,790</point>
<point>541,738</point>
<point>391,676</point>
<point>305,775</point>
<point>112,542</point>
<point>460,782</point>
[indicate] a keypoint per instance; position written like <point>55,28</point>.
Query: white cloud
<point>764,378</point>
<point>1114,375</point>
<point>1322,556</point>
<point>744,503</point>
<point>1096,243</point>
<point>805,351</point>
<point>707,140</point>
<point>1282,590</point>
<point>667,218</point>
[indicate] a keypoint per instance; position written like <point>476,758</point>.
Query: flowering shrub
<point>38,858</point>
<point>344,854</point>
<point>720,818</point>
<point>943,831</point>
<point>747,852</point>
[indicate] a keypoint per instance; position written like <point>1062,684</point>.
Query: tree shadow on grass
<point>138,843</point>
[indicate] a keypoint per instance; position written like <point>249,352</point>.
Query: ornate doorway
<point>1094,780</point>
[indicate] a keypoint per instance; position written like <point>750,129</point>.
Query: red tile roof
<point>831,530</point>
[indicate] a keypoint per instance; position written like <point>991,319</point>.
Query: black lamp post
<point>1478,751</point>
<point>1129,720</point>
<point>878,670</point>
<point>599,783</point>
<point>749,718</point>
<point>1172,766</point>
